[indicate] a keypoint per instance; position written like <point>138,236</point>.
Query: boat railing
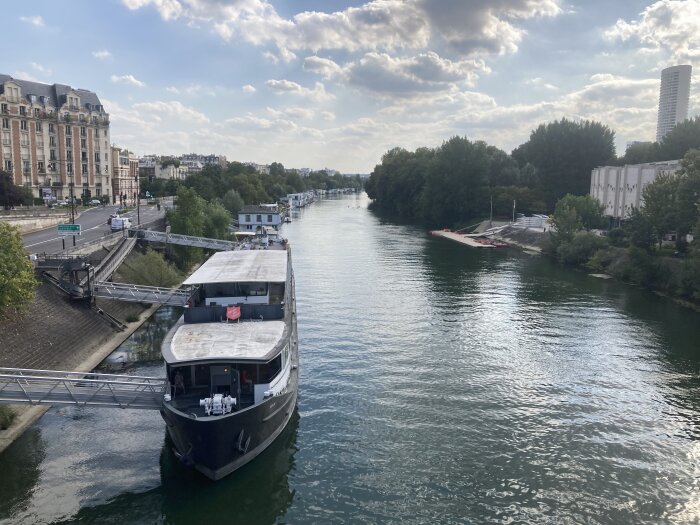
<point>255,312</point>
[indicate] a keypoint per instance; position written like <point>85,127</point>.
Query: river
<point>439,384</point>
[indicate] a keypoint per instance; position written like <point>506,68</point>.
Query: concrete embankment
<point>55,333</point>
<point>31,221</point>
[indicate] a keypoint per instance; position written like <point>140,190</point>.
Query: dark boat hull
<point>218,445</point>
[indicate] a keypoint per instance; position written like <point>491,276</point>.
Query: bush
<point>132,318</point>
<point>617,237</point>
<point>150,269</point>
<point>581,248</point>
<point>7,416</point>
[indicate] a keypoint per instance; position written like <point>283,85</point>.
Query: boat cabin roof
<point>246,341</point>
<point>242,266</point>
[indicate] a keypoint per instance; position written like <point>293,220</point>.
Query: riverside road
<point>94,225</point>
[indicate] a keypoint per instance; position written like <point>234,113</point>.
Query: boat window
<point>269,370</point>
<point>201,375</point>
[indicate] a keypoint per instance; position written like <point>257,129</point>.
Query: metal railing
<point>141,294</point>
<point>55,387</point>
<point>184,240</point>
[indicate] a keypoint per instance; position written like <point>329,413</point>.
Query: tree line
<point>461,180</point>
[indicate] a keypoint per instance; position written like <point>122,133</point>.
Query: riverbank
<point>59,334</point>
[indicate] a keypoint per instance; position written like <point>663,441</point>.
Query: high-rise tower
<point>673,99</point>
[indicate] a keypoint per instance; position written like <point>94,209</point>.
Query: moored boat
<point>232,360</point>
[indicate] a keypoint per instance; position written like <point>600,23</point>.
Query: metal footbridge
<point>183,240</point>
<point>142,294</point>
<point>54,387</point>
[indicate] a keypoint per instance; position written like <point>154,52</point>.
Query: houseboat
<point>232,360</point>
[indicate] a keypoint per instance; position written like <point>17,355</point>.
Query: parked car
<point>120,223</point>
<point>112,217</point>
<point>95,202</point>
<point>61,203</point>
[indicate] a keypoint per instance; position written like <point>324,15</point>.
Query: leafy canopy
<point>17,282</point>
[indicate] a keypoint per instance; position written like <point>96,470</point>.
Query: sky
<point>336,84</point>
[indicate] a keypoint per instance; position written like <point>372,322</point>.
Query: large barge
<point>232,360</point>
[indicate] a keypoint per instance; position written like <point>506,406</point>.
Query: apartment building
<point>55,139</point>
<point>674,96</point>
<point>125,176</point>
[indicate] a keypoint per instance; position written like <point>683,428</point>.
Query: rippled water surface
<point>439,384</point>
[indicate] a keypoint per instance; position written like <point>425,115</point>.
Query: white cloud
<point>174,109</point>
<point>322,66</point>
<point>669,26</point>
<point>467,27</point>
<point>127,79</point>
<point>37,21</point>
<point>172,89</point>
<point>248,89</point>
<point>24,75</point>
<point>540,82</point>
<point>41,69</point>
<point>318,93</point>
<point>101,54</point>
<point>293,112</point>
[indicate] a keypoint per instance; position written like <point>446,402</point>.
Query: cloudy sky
<point>336,83</point>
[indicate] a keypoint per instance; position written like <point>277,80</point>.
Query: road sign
<point>68,229</point>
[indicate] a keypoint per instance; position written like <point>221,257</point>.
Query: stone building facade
<point>54,138</point>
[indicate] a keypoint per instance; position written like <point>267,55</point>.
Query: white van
<point>120,223</point>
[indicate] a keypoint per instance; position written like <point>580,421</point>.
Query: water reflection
<point>258,493</point>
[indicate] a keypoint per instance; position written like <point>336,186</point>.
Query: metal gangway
<point>55,387</point>
<point>184,240</point>
<point>142,294</point>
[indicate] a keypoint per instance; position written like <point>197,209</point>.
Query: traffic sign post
<point>69,229</point>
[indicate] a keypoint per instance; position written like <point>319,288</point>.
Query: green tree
<point>233,202</point>
<point>188,218</point>
<point>11,194</point>
<point>564,153</point>
<point>17,282</point>
<point>681,139</point>
<point>217,221</point>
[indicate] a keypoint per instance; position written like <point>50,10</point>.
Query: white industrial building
<point>619,188</point>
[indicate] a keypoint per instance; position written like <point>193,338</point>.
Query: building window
<point>23,125</point>
<point>69,142</point>
<point>52,129</point>
<point>27,167</point>
<point>83,133</point>
<point>106,157</point>
<point>3,108</point>
<point>37,112</point>
<point>69,155</point>
<point>69,130</point>
<point>97,169</point>
<point>247,218</point>
<point>41,167</point>
<point>84,169</point>
<point>52,140</point>
<point>83,156</point>
<point>69,167</point>
<point>106,169</point>
<point>8,165</point>
<point>83,143</point>
<point>269,218</point>
<point>258,218</point>
<point>39,127</point>
<point>6,123</point>
<point>52,154</point>
<point>97,157</point>
<point>23,111</point>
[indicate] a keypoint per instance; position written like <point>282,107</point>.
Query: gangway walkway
<point>137,293</point>
<point>54,387</point>
<point>184,240</point>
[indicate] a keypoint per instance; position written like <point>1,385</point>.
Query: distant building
<point>250,218</point>
<point>203,160</point>
<point>674,95</point>
<point>54,137</point>
<point>619,188</point>
<point>125,176</point>
<point>170,171</point>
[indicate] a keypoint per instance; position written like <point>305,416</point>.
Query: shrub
<point>581,248</point>
<point>7,416</point>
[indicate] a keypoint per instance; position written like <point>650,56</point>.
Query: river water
<point>439,384</point>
